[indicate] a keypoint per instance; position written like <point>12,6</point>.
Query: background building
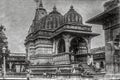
<point>110,19</point>
<point>12,65</point>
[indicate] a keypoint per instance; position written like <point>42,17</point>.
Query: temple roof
<point>75,32</point>
<point>54,19</point>
<point>72,17</point>
<point>100,17</point>
<point>55,22</point>
<point>51,21</point>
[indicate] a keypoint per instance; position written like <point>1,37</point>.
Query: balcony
<point>69,58</point>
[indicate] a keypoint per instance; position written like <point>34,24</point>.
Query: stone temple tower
<point>59,44</point>
<point>32,42</point>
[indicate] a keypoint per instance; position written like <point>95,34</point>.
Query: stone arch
<point>78,45</point>
<point>61,46</point>
<point>86,40</point>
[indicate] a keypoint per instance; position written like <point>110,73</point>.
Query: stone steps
<point>88,69</point>
<point>13,78</point>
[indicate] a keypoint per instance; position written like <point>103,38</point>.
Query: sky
<point>17,16</point>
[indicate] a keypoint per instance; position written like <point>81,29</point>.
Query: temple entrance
<point>79,48</point>
<point>61,46</point>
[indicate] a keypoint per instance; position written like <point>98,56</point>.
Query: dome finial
<point>39,3</point>
<point>54,8</point>
<point>71,6</point>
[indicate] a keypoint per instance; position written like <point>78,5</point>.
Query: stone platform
<point>13,78</point>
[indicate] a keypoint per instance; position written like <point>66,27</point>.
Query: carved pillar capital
<point>66,36</point>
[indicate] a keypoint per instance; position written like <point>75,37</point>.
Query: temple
<point>59,47</point>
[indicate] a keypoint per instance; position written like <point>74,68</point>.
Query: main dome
<point>55,19</point>
<point>51,21</point>
<point>72,17</point>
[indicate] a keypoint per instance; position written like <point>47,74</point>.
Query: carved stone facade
<point>59,45</point>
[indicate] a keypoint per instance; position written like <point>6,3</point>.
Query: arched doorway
<point>61,46</point>
<point>78,46</point>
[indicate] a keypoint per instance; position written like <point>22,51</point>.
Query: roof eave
<point>78,32</point>
<point>100,17</point>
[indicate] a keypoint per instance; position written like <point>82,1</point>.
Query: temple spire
<point>40,4</point>
<point>71,7</point>
<point>40,11</point>
<point>54,8</point>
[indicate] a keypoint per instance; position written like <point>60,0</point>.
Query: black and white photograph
<point>59,39</point>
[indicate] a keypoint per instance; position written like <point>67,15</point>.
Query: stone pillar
<point>67,39</point>
<point>54,46</point>
<point>89,45</point>
<point>67,45</point>
<point>109,56</point>
<point>10,66</point>
<point>20,67</point>
<point>17,68</point>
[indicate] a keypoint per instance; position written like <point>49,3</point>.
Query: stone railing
<point>68,58</point>
<point>61,58</point>
<point>99,56</point>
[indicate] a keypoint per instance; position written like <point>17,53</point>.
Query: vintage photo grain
<point>59,39</point>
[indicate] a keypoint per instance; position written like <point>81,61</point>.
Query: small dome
<point>72,17</point>
<point>51,21</point>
